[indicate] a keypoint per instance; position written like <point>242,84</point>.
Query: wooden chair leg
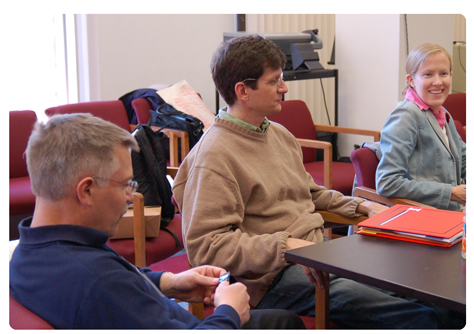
<point>139,230</point>
<point>328,233</point>
<point>196,309</point>
<point>322,308</point>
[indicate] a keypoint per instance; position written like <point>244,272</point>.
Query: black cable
<point>406,33</point>
<point>336,148</point>
<point>324,98</point>
<point>460,60</point>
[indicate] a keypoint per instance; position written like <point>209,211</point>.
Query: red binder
<point>415,224</point>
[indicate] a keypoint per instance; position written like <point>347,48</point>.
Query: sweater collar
<point>223,114</point>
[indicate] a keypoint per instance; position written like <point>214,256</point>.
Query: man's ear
<point>85,189</point>
<point>241,90</point>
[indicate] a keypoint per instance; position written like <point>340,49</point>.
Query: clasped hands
<point>201,284</point>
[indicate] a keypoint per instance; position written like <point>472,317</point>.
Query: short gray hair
<point>70,147</point>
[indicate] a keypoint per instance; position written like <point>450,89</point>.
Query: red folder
<point>411,223</point>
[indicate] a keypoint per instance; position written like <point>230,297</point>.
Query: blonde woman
<point>423,156</point>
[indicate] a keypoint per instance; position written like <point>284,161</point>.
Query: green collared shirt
<point>223,114</point>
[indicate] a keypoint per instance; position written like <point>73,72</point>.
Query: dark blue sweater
<point>68,276</point>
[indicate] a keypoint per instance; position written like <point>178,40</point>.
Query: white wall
<point>370,55</point>
<point>367,56</point>
<point>127,52</point>
<point>131,51</point>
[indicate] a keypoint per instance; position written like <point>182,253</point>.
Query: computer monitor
<point>297,47</point>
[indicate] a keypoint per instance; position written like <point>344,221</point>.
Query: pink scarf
<point>440,116</point>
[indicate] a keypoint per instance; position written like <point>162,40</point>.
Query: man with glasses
<point>245,198</point>
<point>62,270</point>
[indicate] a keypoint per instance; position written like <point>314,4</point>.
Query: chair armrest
<point>354,131</point>
<point>184,136</point>
<point>332,217</point>
<point>327,163</point>
<point>139,229</point>
<point>172,171</point>
<point>173,133</point>
<point>371,195</point>
<point>173,136</point>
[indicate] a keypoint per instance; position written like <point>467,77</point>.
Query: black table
<point>429,273</point>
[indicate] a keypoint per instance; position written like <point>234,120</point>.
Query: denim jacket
<point>417,163</point>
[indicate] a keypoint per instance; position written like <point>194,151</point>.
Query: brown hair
<point>243,58</point>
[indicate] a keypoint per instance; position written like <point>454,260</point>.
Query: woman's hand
<point>458,194</point>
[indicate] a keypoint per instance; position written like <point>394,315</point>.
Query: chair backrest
<point>460,129</point>
<point>21,125</point>
<point>296,117</point>
<point>456,105</point>
<point>365,164</point>
<point>22,318</point>
<point>142,109</point>
<point>112,111</point>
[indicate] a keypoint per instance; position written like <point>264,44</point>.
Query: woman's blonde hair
<point>418,56</point>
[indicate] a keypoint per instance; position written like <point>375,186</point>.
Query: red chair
<point>456,105</point>
<point>112,111</point>
<point>365,163</point>
<point>22,318</point>
<point>460,129</point>
<point>296,117</point>
<point>22,199</point>
<point>157,248</point>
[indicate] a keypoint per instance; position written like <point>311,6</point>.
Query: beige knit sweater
<point>242,194</point>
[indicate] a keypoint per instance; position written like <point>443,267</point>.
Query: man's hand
<point>316,277</point>
<point>370,209</point>
<point>236,296</point>
<point>458,194</point>
<point>193,285</point>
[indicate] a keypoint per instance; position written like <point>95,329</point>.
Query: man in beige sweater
<point>246,198</point>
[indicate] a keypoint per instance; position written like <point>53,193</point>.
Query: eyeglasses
<point>133,185</point>
<point>271,81</point>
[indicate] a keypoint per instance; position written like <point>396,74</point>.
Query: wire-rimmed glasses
<point>131,184</point>
<point>270,81</point>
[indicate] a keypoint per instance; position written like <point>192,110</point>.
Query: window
<point>36,71</point>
